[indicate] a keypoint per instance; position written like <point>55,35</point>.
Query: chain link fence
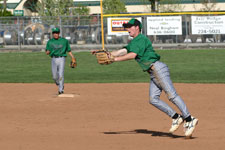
<point>86,30</point>
<point>37,30</point>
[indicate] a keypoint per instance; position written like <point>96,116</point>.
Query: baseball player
<point>56,48</point>
<point>140,48</point>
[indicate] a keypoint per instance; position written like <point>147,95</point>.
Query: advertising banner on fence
<point>164,25</point>
<point>115,26</point>
<point>208,24</point>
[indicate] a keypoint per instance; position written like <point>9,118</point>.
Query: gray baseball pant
<point>58,65</point>
<point>160,80</point>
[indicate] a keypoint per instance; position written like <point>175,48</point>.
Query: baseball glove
<point>103,57</point>
<point>73,63</point>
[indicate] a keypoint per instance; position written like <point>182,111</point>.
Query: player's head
<point>133,22</point>
<point>55,32</point>
<point>133,27</point>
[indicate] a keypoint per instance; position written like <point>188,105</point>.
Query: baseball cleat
<point>190,127</point>
<point>61,92</point>
<point>176,123</point>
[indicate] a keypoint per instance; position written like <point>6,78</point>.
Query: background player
<point>140,49</point>
<point>57,48</point>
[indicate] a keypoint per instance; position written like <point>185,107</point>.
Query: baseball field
<point>110,109</point>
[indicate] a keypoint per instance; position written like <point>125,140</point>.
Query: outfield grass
<point>186,66</point>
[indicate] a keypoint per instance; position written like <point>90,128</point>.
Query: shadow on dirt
<point>145,131</point>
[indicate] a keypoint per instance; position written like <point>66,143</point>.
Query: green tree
<point>82,13</point>
<point>208,5</point>
<point>60,8</point>
<point>153,3</point>
<point>164,5</point>
<point>3,11</point>
<point>113,7</point>
<point>81,10</point>
<point>54,7</point>
<point>51,10</point>
<point>170,6</point>
<point>31,5</point>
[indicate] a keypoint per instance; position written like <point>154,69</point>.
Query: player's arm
<point>127,56</point>
<point>105,57</point>
<point>71,55</point>
<point>69,50</point>
<point>47,51</point>
<point>73,62</point>
<point>120,52</point>
<point>114,53</point>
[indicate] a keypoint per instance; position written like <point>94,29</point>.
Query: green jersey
<point>146,55</point>
<point>58,47</point>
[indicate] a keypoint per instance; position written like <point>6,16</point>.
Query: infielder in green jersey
<point>57,49</point>
<point>140,48</point>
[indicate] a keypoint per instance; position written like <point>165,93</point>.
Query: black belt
<point>57,56</point>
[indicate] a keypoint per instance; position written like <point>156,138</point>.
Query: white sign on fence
<point>115,26</point>
<point>164,25</point>
<point>208,24</point>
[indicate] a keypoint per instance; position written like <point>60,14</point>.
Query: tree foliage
<point>31,5</point>
<point>54,7</point>
<point>81,10</point>
<point>53,11</point>
<point>170,6</point>
<point>164,5</point>
<point>3,11</point>
<point>60,8</point>
<point>207,5</point>
<point>175,5</point>
<point>153,4</point>
<point>113,7</point>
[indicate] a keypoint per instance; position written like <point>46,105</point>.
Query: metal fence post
<point>186,27</point>
<point>60,25</point>
<point>18,33</point>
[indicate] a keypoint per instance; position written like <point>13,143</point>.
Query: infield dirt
<point>106,117</point>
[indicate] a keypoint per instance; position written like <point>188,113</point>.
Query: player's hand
<point>47,52</point>
<point>93,52</point>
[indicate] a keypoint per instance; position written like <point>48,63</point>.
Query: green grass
<point>186,66</point>
<point>196,66</point>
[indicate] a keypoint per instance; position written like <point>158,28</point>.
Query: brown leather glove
<point>103,57</point>
<point>73,63</point>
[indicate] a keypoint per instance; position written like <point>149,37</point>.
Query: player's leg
<point>162,75</point>
<point>61,62</point>
<point>55,74</point>
<point>155,91</point>
<point>154,98</point>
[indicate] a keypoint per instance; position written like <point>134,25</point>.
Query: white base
<point>66,95</point>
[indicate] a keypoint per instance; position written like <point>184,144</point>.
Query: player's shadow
<point>144,131</point>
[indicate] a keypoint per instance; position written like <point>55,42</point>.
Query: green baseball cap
<point>133,22</point>
<point>55,30</point>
